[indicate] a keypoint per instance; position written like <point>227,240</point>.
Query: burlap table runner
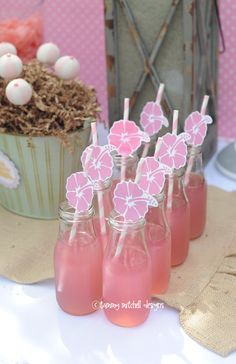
<point>203,289</point>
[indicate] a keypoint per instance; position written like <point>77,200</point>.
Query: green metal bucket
<point>43,168</point>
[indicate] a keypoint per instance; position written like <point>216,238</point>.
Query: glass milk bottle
<point>159,243</point>
<point>77,262</point>
<point>178,217</point>
<point>126,273</point>
<point>129,163</point>
<point>196,190</point>
<point>102,194</point>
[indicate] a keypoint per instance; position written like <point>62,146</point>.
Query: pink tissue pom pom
<point>26,35</point>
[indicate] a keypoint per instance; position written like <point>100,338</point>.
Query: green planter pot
<point>43,171</point>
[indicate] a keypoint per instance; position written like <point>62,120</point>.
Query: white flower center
<point>152,118</point>
<point>129,201</point>
<point>79,193</point>
<point>171,152</point>
<point>97,165</point>
<point>195,129</point>
<point>125,137</point>
<point>150,177</point>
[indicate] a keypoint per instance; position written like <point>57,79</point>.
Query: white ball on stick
<point>48,53</point>
<point>6,47</point>
<point>19,91</point>
<point>10,66</point>
<point>67,67</point>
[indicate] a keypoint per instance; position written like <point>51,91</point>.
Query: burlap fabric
<point>203,289</point>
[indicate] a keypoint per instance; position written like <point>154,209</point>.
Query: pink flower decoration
<point>79,191</point>
<point>173,151</point>
<point>152,175</point>
<point>131,202</point>
<point>126,137</point>
<point>97,162</point>
<point>152,118</point>
<point>196,126</point>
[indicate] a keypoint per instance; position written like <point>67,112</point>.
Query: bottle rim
<point>103,185</point>
<point>117,222</point>
<point>68,213</point>
<point>194,151</point>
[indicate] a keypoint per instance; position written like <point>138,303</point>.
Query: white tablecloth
<point>33,330</point>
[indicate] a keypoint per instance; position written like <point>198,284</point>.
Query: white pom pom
<point>19,92</point>
<point>67,67</point>
<point>6,47</point>
<point>48,53</point>
<point>10,66</point>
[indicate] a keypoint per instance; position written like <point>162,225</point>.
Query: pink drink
<point>196,191</point>
<point>159,244</point>
<point>25,34</point>
<point>128,287</point>
<point>78,273</point>
<point>178,217</point>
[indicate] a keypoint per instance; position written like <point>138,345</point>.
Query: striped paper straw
<point>171,181</point>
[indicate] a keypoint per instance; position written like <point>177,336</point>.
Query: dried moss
<point>57,107</point>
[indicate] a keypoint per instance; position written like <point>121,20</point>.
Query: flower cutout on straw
<point>131,201</point>
<point>79,191</point>
<point>152,175</point>
<point>196,126</point>
<point>126,137</point>
<point>173,150</point>
<point>152,118</point>
<point>97,162</point>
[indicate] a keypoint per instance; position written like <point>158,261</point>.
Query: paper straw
<point>171,181</point>
<point>158,101</point>
<point>122,177</point>
<point>175,122</point>
<point>191,158</point>
<point>158,147</point>
<point>126,117</point>
<point>160,93</point>
<point>101,210</point>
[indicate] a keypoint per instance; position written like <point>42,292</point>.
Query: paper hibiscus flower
<point>173,150</point>
<point>131,201</point>
<point>97,162</point>
<point>79,191</point>
<point>152,175</point>
<point>126,137</point>
<point>152,118</point>
<point>196,126</point>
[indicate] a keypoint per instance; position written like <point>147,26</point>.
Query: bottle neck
<point>128,161</point>
<point>194,163</point>
<point>69,215</point>
<point>117,222</point>
<point>103,186</point>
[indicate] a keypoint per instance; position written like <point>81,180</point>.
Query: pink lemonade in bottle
<point>178,217</point>
<point>77,263</point>
<point>126,274</point>
<point>196,191</point>
<point>159,244</point>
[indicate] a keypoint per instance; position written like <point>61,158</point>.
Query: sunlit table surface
<point>33,329</point>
